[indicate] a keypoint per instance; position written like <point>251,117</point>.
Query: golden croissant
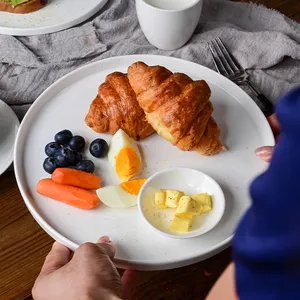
<point>116,107</point>
<point>177,107</point>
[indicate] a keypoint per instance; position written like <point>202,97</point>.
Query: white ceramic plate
<point>65,104</point>
<point>9,125</point>
<point>190,182</point>
<point>55,16</point>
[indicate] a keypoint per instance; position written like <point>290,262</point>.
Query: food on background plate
<point>116,107</point>
<point>21,6</point>
<point>123,195</point>
<point>124,156</point>
<point>177,107</point>
<point>99,148</point>
<point>76,178</point>
<point>71,195</point>
<point>187,207</point>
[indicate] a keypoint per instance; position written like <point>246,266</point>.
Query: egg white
<point>115,197</point>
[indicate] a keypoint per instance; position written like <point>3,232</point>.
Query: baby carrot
<point>76,178</point>
<point>71,195</point>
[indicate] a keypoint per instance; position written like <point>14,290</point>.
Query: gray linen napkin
<point>263,41</point>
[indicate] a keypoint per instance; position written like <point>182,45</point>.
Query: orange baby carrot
<point>68,194</point>
<point>76,178</point>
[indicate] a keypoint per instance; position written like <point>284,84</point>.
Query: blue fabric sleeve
<point>266,246</point>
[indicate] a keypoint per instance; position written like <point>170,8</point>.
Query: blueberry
<point>99,148</point>
<point>49,165</point>
<point>86,166</point>
<point>78,156</point>
<point>51,148</point>
<point>64,157</point>
<point>77,143</point>
<point>63,137</point>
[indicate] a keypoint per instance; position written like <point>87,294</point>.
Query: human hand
<point>88,275</point>
<point>265,152</point>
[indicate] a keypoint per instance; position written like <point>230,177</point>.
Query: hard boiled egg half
<point>124,156</point>
<point>121,196</point>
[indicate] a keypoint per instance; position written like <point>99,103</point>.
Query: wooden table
<point>24,245</point>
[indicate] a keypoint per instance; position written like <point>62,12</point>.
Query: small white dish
<point>168,24</point>
<point>9,125</point>
<point>190,182</point>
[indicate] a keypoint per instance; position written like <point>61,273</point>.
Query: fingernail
<point>263,151</point>
<point>104,240</point>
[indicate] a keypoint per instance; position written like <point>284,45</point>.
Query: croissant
<point>177,107</point>
<point>116,107</point>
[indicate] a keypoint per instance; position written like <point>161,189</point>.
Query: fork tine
<point>217,60</point>
<point>223,57</point>
<point>231,60</point>
<point>213,57</point>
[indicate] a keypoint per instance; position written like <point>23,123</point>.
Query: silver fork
<point>227,65</point>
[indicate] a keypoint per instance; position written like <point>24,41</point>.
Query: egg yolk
<point>127,163</point>
<point>133,186</point>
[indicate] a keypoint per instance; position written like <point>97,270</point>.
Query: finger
<point>274,123</point>
<point>107,246</point>
<point>129,282</point>
<point>57,258</point>
<point>265,153</point>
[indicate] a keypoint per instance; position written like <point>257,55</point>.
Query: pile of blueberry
<point>66,152</point>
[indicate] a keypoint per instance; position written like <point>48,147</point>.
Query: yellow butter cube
<point>160,199</point>
<point>172,198</point>
<point>180,224</point>
<point>205,200</point>
<point>185,215</point>
<point>188,205</point>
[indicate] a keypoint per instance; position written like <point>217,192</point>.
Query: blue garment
<point>266,246</point>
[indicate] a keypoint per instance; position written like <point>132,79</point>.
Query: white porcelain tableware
<point>65,104</point>
<point>9,125</point>
<point>190,182</point>
<point>168,28</point>
<point>55,16</point>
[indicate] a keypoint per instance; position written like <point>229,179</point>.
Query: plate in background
<point>9,125</point>
<point>65,105</point>
<point>55,16</point>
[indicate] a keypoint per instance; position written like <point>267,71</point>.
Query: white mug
<point>170,27</point>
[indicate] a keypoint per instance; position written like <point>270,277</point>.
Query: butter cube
<point>189,206</point>
<point>160,199</point>
<point>205,200</point>
<point>172,198</point>
<point>185,215</point>
<point>180,224</point>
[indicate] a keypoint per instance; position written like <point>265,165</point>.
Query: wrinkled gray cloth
<point>263,41</point>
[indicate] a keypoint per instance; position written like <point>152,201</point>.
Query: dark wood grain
<point>24,245</point>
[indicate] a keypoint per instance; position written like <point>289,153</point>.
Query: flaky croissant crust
<point>177,107</point>
<point>115,107</point>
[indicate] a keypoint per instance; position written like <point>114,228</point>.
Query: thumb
<point>106,245</point>
<point>57,258</point>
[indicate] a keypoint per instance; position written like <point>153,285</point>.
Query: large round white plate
<point>9,125</point>
<point>55,16</point>
<point>65,104</point>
